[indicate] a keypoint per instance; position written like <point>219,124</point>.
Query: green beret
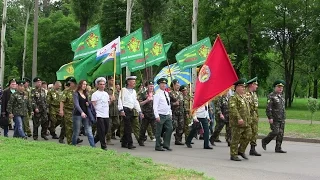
<point>25,79</point>
<point>279,83</point>
<point>240,82</point>
<point>148,83</point>
<point>117,82</point>
<point>20,82</point>
<point>12,80</point>
<point>73,80</point>
<point>182,88</point>
<point>36,79</point>
<point>162,80</point>
<point>110,77</point>
<point>254,80</point>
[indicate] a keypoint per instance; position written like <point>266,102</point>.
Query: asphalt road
<point>300,163</point>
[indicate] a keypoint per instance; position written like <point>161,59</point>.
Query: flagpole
<point>169,69</point>
<point>114,71</point>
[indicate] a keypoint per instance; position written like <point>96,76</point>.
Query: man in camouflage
<point>18,108</point>
<point>186,108</point>
<point>53,100</point>
<point>26,120</point>
<point>253,101</point>
<point>276,114</point>
<point>177,107</point>
<point>146,102</point>
<point>39,104</point>
<point>240,121</point>
<point>66,108</point>
<point>222,116</point>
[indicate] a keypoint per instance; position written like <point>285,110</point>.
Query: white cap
<point>131,77</point>
<point>100,79</point>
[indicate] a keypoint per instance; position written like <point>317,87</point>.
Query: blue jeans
<point>5,131</point>
<point>18,129</point>
<point>76,121</point>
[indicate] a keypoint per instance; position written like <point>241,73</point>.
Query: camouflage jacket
<point>19,104</point>
<point>276,107</point>
<point>186,104</point>
<point>53,98</point>
<point>239,109</point>
<point>67,99</point>
<point>252,98</point>
<point>147,109</point>
<point>113,107</point>
<point>222,107</point>
<point>174,97</point>
<point>38,96</point>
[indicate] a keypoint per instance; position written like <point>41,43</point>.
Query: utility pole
<point>194,24</point>
<point>35,40</point>
<point>128,25</point>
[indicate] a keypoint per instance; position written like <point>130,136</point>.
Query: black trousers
<point>102,130</point>
<point>144,126</point>
<point>127,123</point>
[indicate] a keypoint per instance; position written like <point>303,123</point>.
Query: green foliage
<point>35,159</point>
<point>313,106</point>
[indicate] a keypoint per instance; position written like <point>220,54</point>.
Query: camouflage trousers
<point>40,119</point>
<point>178,125</point>
<point>135,127</point>
<point>145,123</point>
<point>254,129</point>
<point>26,125</point>
<point>218,128</point>
<point>240,140</point>
<point>186,128</point>
<point>66,130</point>
<point>55,120</point>
<point>277,130</point>
<point>114,123</point>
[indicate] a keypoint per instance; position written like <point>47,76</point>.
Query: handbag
<point>92,115</point>
<point>4,120</point>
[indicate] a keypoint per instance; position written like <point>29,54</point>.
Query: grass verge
<point>20,159</point>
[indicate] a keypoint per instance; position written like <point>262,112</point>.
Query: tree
<point>3,39</point>
<point>85,11</point>
<point>35,40</point>
<point>27,9</point>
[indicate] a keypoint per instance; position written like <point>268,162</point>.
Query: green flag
<point>194,55</point>
<point>154,53</point>
<point>132,47</point>
<point>77,69</point>
<point>166,48</point>
<point>87,43</point>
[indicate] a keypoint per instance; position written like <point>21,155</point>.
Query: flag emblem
<point>70,69</point>
<point>156,49</point>
<point>92,40</point>
<point>204,51</point>
<point>134,44</point>
<point>204,73</point>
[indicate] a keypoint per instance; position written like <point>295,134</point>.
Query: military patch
<point>204,74</point>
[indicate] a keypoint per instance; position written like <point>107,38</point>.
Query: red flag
<point>215,76</point>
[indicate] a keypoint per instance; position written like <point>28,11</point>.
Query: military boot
<point>253,151</point>
<point>279,150</point>
<point>243,155</point>
<point>235,158</point>
<point>264,145</point>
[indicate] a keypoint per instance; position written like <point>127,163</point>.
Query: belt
<point>127,108</point>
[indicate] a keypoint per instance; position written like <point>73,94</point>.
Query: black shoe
<point>168,149</point>
<point>178,143</point>
<point>105,149</point>
<point>280,151</point>
<point>161,149</point>
<point>253,151</point>
<point>243,155</point>
<point>211,141</point>
<point>29,135</point>
<point>188,145</point>
<point>208,147</point>
<point>61,141</point>
<point>235,158</point>
<point>45,138</point>
<point>79,141</point>
<point>192,143</point>
<point>201,137</point>
<point>145,138</point>
<point>218,140</point>
<point>55,137</point>
<point>264,145</point>
<point>124,145</point>
<point>35,138</point>
<point>229,144</point>
<point>141,143</point>
<point>131,147</point>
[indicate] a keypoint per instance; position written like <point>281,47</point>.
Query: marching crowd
<point>106,110</point>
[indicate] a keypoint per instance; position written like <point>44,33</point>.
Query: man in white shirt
<point>101,100</point>
<point>163,115</point>
<point>127,101</point>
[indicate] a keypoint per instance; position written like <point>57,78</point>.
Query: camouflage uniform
<point>253,101</point>
<point>239,109</point>
<point>276,111</point>
<point>19,105</point>
<point>26,120</point>
<point>187,115</point>
<point>41,118</point>
<point>53,100</point>
<point>222,107</point>
<point>67,99</point>
<point>149,118</point>
<point>114,120</point>
<point>177,114</point>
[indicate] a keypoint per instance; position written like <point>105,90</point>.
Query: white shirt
<point>102,103</point>
<point>160,104</point>
<point>201,112</point>
<point>128,98</point>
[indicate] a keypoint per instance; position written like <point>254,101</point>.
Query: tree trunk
<point>194,26</point>
<point>25,41</point>
<point>128,25</point>
<point>35,40</point>
<point>315,88</point>
<point>3,39</point>
<point>46,8</point>
<point>147,35</point>
<point>83,26</point>
<point>249,47</point>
